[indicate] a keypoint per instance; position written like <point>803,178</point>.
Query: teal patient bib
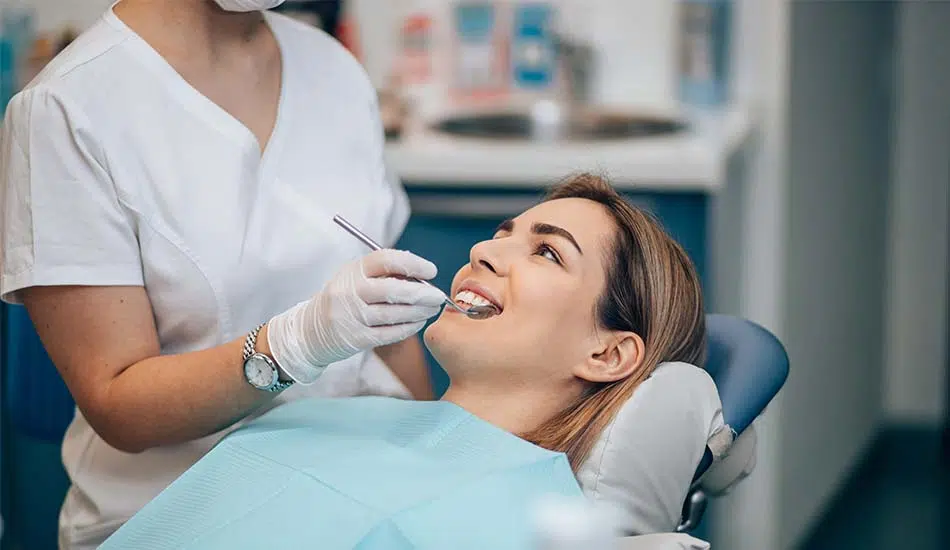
<point>356,473</point>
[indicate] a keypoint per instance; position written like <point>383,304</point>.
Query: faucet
<point>552,120</point>
<point>575,61</point>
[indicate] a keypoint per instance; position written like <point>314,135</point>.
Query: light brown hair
<point>652,290</point>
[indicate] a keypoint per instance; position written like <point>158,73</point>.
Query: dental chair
<point>747,364</point>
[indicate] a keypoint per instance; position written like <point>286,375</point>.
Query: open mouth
<point>468,298</point>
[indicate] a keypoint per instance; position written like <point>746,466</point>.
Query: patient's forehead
<point>589,222</point>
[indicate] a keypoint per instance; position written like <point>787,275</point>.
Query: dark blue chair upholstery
<point>748,364</point>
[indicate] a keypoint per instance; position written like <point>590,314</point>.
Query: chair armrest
<point>719,479</point>
<point>735,466</point>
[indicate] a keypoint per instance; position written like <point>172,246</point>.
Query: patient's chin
<point>435,335</point>
<point>443,339</point>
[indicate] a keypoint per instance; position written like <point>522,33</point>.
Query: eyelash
<point>544,247</point>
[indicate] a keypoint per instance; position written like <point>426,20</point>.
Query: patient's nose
<point>487,255</point>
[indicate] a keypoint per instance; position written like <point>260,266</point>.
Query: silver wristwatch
<point>260,370</point>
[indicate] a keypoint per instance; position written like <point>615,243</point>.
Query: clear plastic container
<point>563,523</point>
<point>705,48</point>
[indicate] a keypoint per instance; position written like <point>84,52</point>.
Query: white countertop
<point>693,160</point>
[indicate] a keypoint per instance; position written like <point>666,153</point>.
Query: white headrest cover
<point>644,462</point>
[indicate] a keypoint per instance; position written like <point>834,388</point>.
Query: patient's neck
<point>516,410</point>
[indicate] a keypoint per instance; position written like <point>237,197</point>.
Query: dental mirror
<point>475,312</point>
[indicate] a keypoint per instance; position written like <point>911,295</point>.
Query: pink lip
<point>473,286</point>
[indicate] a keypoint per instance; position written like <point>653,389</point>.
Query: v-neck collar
<point>201,105</point>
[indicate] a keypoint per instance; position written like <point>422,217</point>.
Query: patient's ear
<point>614,358</point>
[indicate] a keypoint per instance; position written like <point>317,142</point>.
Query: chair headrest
<point>749,365</point>
<point>642,464</point>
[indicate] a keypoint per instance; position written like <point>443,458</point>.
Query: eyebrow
<point>543,229</point>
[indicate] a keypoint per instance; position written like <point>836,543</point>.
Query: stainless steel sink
<point>567,115</point>
<point>530,126</point>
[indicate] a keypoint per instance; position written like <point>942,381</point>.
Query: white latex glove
<point>364,306</point>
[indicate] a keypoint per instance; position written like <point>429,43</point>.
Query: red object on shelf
<point>416,61</point>
<point>348,34</point>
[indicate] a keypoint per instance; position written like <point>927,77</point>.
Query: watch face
<point>259,372</point>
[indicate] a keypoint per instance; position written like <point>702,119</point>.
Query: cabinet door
<point>446,223</point>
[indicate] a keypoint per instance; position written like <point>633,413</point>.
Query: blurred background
<point>799,150</point>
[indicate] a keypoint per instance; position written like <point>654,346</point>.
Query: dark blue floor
<point>899,499</point>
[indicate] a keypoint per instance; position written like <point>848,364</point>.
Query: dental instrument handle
<point>352,230</point>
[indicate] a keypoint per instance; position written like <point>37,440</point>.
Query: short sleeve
<point>61,221</point>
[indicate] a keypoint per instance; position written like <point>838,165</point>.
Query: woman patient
<point>591,296</point>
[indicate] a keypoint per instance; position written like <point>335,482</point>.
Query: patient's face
<point>545,270</point>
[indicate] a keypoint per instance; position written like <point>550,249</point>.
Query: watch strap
<point>250,348</point>
<point>250,343</point>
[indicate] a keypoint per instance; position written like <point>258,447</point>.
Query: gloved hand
<point>365,305</point>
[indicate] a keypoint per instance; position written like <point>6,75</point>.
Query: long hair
<point>652,290</point>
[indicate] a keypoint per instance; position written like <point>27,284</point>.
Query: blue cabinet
<point>447,221</point>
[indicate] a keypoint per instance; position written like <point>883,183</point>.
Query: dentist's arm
<point>105,345</point>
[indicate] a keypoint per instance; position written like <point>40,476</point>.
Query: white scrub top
<point>115,171</point>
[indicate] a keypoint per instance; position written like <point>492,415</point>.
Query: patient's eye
<point>547,251</point>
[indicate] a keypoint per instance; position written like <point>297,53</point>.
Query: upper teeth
<point>472,299</point>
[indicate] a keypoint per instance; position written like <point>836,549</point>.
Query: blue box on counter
<point>533,59</point>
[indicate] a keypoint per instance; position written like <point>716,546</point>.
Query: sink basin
<point>588,126</point>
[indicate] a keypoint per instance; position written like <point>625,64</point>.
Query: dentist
<point>166,189</point>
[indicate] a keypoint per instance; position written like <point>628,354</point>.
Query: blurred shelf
<point>693,160</point>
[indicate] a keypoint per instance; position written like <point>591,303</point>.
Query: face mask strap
<point>248,5</point>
